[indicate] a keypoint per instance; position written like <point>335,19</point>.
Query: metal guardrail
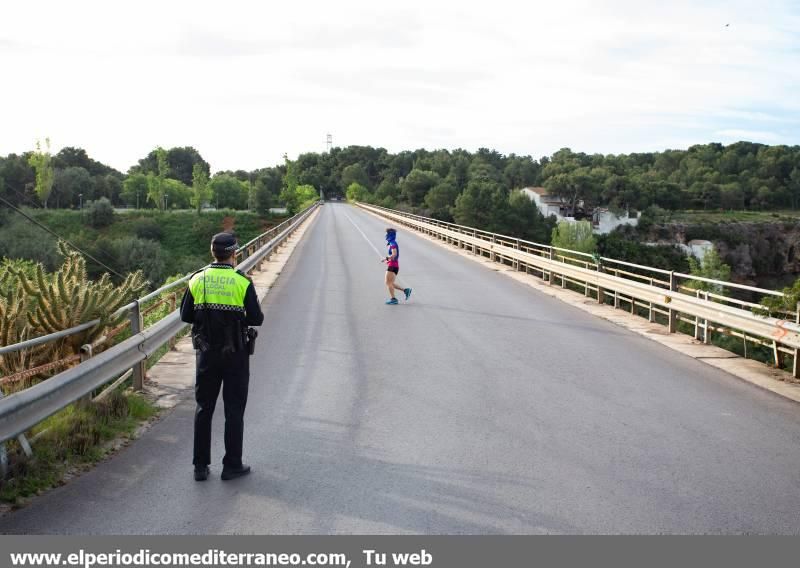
<point>22,410</point>
<point>656,290</point>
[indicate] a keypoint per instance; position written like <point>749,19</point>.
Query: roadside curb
<point>775,380</point>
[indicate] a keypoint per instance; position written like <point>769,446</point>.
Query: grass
<point>184,233</point>
<point>700,216</point>
<point>71,439</point>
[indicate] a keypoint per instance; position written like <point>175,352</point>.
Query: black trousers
<point>232,373</point>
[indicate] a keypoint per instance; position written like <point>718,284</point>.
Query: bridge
<point>479,406</point>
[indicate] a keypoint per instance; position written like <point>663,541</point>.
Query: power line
<point>52,232</point>
<point>28,198</point>
<point>37,206</point>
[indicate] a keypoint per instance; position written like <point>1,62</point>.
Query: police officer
<point>221,303</point>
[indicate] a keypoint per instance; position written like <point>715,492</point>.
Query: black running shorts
<point>394,269</point>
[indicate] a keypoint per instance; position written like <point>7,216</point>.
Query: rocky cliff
<point>758,253</point>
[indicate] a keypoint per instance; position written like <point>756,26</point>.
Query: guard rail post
<point>173,304</point>
<point>697,319</point>
<point>601,292</point>
<point>673,314</point>
<point>136,327</point>
<point>86,354</point>
<point>492,254</point>
<point>24,444</point>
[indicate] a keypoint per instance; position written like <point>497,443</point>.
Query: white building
<point>547,204</point>
<point>697,248</point>
<point>603,220</point>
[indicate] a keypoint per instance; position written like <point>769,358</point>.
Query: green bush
<point>21,239</point>
<point>128,254</point>
<point>100,213</point>
<point>149,229</point>
<point>575,236</point>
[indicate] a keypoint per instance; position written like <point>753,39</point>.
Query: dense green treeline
<point>741,176</point>
<point>472,188</point>
<point>457,183</point>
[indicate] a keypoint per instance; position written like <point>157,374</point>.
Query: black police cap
<point>224,242</point>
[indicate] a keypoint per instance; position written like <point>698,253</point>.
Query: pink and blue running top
<point>393,263</point>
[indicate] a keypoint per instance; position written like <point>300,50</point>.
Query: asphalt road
<point>480,406</point>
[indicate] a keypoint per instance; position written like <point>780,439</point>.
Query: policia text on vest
<point>221,303</point>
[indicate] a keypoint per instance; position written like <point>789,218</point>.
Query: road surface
<point>480,406</point>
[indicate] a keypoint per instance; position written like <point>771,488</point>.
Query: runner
<point>393,267</point>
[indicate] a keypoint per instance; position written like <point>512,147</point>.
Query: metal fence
<point>24,409</point>
<point>658,294</point>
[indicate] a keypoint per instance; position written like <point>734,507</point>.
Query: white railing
<point>653,291</point>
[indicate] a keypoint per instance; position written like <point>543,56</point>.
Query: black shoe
<point>229,473</point>
<point>201,472</point>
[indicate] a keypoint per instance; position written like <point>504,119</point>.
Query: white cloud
<point>245,82</point>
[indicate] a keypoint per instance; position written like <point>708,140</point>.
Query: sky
<point>247,82</point>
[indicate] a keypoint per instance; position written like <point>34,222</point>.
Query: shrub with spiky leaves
<point>38,303</point>
<point>14,326</point>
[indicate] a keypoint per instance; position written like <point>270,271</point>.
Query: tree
<point>416,184</point>
<point>19,179</point>
<point>290,182</point>
<point>180,164</point>
<point>228,191</point>
<point>574,235</point>
<point>779,306</point>
<point>156,186</point>
<point>482,205</point>
<point>387,192</point>
<point>108,185</point>
<point>357,192</point>
<point>794,187</point>
<point>354,173</point>
<point>710,267</point>
<point>42,163</point>
<point>134,189</point>
<point>441,198</point>
<point>200,191</point>
<point>177,195</point>
<point>267,187</point>
<point>306,195</point>
<point>71,157</point>
<point>525,221</point>
<point>70,183</point>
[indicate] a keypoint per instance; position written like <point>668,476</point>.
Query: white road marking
<point>366,238</point>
